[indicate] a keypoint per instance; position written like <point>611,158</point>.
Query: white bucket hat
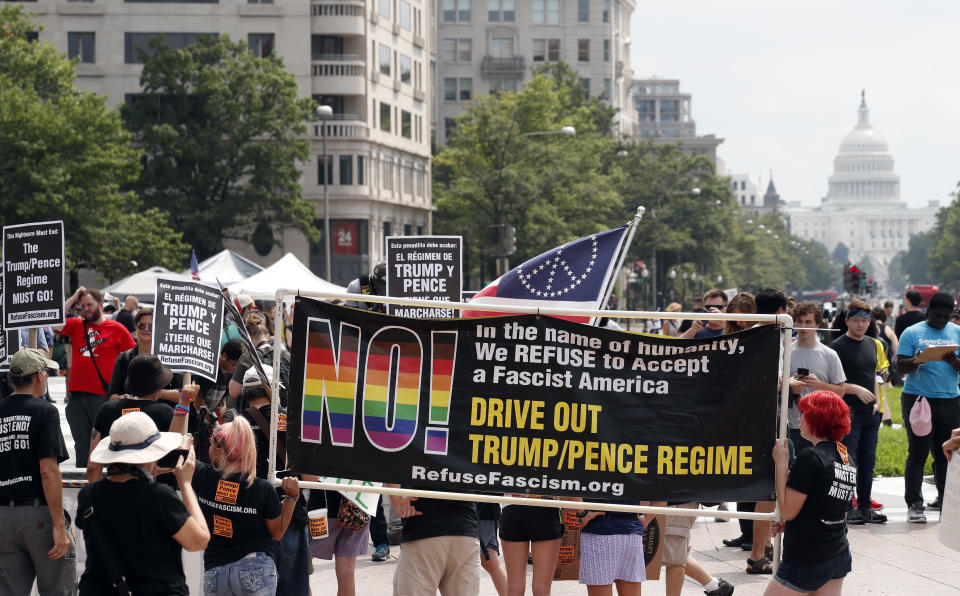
<point>134,439</point>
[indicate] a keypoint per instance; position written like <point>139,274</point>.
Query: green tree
<point>917,258</point>
<point>841,253</point>
<point>65,155</point>
<point>551,188</point>
<point>223,134</point>
<point>944,245</point>
<point>898,277</point>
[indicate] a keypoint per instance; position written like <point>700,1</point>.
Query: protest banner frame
<point>785,321</point>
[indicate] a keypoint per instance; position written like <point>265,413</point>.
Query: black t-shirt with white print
<point>236,515</point>
<point>819,532</point>
<point>29,432</point>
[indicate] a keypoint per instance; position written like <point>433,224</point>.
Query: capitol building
<point>862,208</point>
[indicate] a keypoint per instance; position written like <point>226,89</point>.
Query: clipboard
<point>935,353</point>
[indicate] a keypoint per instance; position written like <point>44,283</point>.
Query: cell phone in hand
<point>802,372</point>
<point>170,460</point>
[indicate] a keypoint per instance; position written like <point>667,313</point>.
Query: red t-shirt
<point>108,339</point>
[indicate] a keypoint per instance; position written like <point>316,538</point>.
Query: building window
<point>141,41</point>
<point>503,85</point>
<point>583,11</point>
<point>501,47</point>
<point>456,10</point>
<point>261,44</point>
<point>501,11</point>
<point>164,1</point>
<point>406,124</point>
<point>385,8</point>
<point>405,69</point>
<point>546,12</point>
<point>384,60</point>
<point>553,50</point>
<point>457,50</point>
<point>346,170</point>
<point>539,50</point>
<point>324,176</point>
<point>360,170</point>
<point>325,47</point>
<point>583,50</point>
<point>405,20</point>
<point>585,83</point>
<point>259,1</point>
<point>466,89</point>
<point>385,117</point>
<point>606,11</point>
<point>80,45</point>
<point>606,50</point>
<point>407,230</point>
<point>450,89</point>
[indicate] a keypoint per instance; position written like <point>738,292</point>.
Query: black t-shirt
<point>29,432</point>
<point>440,518</point>
<point>236,515</point>
<point>138,520</point>
<point>819,532</point>
<point>118,378</point>
<point>911,317</point>
<point>213,391</point>
<point>859,360</point>
<point>125,318</point>
<point>159,411</point>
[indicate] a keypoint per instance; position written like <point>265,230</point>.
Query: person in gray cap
<point>374,284</point>
<point>35,543</point>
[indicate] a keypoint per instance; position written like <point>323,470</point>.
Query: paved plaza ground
<point>893,559</point>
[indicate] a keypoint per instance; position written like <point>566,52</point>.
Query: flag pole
<point>623,255</point>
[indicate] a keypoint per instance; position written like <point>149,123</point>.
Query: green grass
<point>892,444</point>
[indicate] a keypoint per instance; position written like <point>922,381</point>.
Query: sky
<point>780,82</point>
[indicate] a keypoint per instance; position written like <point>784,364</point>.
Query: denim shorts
<point>810,577</point>
<point>255,574</point>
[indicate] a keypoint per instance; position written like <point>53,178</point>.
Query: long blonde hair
<point>239,449</point>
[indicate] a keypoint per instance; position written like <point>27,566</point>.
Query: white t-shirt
<point>821,361</point>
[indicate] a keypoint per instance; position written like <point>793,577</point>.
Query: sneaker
<point>735,542</point>
<point>915,514</point>
<point>725,589</point>
<point>934,505</point>
<point>873,505</point>
<point>382,552</point>
<point>873,517</point>
<point>855,518</point>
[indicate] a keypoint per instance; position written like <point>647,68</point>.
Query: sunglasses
<point>718,306</point>
<point>145,326</point>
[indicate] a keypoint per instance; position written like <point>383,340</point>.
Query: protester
<point>890,344</point>
<point>346,539</point>
<point>936,381</point>
<point>143,323</point>
<point>374,284</point>
<point>609,545</point>
<point>679,562</point>
<point>912,314</point>
<point>951,444</point>
<point>821,365</point>
<point>243,511</point>
<point>146,380</point>
<point>125,316</point>
<point>256,326</point>
<point>96,342</point>
<point>671,327</point>
<point>215,392</point>
<point>527,530</point>
<point>741,304</point>
<point>439,548</point>
<point>133,527</point>
<point>714,301</point>
<point>862,357</point>
<point>814,497</point>
<point>35,540</point>
<point>488,516</point>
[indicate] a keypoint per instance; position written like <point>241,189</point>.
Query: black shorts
<point>807,578</point>
<point>521,523</point>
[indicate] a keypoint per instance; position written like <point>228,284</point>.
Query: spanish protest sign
<point>424,267</point>
<point>33,275</point>
<point>186,326</point>
<point>527,404</point>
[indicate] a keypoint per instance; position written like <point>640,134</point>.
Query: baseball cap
<point>28,361</point>
<point>244,301</point>
<point>252,379</point>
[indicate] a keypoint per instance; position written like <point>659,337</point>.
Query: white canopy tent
<point>288,272</point>
<point>143,285</point>
<point>226,266</point>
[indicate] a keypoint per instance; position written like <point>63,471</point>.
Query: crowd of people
<point>178,466</point>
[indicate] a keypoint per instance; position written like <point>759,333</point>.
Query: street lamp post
<point>324,113</point>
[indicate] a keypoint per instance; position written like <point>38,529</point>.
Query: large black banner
<point>33,275</point>
<point>527,404</point>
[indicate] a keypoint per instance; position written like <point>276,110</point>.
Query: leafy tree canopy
<point>223,135</point>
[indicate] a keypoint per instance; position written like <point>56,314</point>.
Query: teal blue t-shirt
<point>932,379</point>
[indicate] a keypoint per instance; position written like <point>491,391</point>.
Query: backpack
<point>266,357</point>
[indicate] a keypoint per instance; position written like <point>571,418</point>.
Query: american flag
<point>575,275</point>
<point>194,268</point>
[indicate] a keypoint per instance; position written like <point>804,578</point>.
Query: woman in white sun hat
<point>135,529</point>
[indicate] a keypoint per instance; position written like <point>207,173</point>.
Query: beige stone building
<point>370,60</point>
<point>664,115</point>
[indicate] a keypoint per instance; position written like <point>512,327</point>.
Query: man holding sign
<point>96,341</point>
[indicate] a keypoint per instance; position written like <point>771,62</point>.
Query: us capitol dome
<point>862,208</point>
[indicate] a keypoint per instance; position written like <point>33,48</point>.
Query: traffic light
<point>853,279</point>
<point>509,240</point>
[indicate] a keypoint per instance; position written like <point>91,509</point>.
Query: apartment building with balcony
<point>490,46</point>
<point>369,60</point>
<point>663,116</point>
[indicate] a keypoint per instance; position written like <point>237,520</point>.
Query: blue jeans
<point>861,443</point>
<point>293,562</point>
<point>256,575</point>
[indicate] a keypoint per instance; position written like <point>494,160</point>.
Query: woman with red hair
<point>243,513</point>
<point>814,497</point>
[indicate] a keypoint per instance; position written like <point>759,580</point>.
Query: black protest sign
<point>424,267</point>
<point>9,344</point>
<point>33,275</point>
<point>187,321</point>
<point>528,404</point>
